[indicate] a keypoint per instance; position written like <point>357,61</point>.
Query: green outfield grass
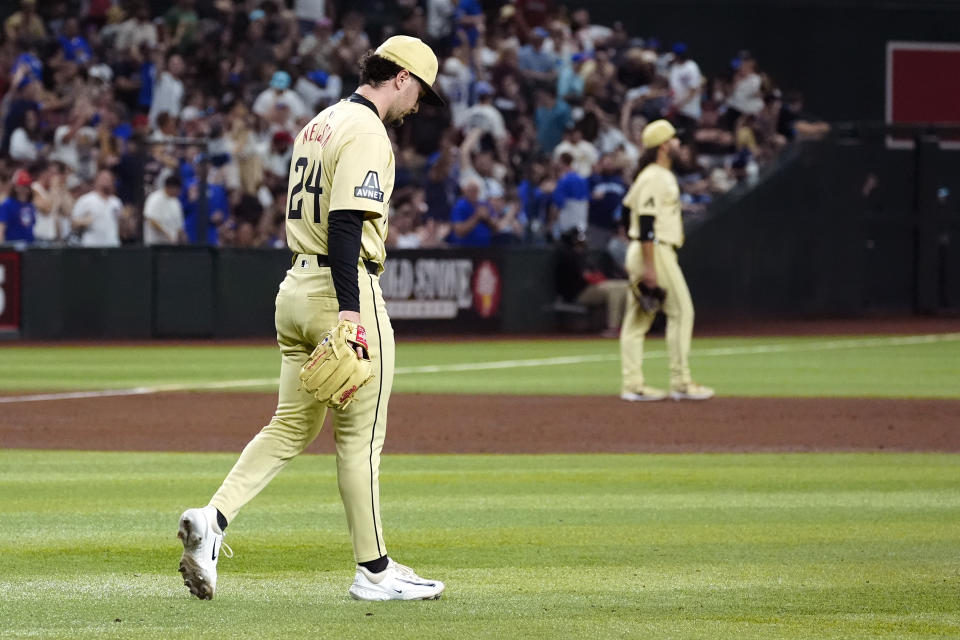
<point>798,366</point>
<point>579,546</point>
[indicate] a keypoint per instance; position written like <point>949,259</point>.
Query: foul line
<point>826,345</point>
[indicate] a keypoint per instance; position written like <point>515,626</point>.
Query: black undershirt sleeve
<point>344,234</point>
<point>646,229</point>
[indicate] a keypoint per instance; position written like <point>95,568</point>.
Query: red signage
<point>923,85</point>
<point>9,291</point>
<point>486,289</point>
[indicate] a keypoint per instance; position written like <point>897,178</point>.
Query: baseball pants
<point>678,307</point>
<point>306,308</point>
<point>613,294</point>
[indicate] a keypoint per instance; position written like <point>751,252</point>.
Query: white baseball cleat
<point>691,391</point>
<point>396,582</point>
<point>643,394</point>
<point>201,549</point>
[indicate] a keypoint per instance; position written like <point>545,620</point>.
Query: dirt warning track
<point>500,424</point>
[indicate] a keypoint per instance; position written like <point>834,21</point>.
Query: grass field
<point>669,546</point>
<point>574,546</point>
<point>877,366</point>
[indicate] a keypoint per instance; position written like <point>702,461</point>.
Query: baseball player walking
<point>341,179</point>
<point>656,232</point>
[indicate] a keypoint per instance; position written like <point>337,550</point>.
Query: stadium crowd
<point>114,117</point>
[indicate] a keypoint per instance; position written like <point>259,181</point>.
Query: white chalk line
<point>823,345</point>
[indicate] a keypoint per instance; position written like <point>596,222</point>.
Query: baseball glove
<point>334,372</point>
<point>650,298</point>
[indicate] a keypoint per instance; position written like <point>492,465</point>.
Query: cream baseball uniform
<point>655,192</point>
<point>342,160</point>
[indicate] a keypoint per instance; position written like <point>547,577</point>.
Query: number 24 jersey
<point>342,159</point>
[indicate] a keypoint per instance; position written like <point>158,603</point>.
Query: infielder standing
<point>656,232</point>
<point>341,178</point>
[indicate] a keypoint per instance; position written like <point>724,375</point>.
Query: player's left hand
<point>339,366</point>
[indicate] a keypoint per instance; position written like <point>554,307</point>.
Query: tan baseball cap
<point>656,133</point>
<point>414,55</point>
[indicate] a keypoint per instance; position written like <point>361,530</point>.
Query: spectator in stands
<point>584,154</point>
<point>570,199</point>
<point>570,78</point>
<point>552,117</point>
<point>440,15</point>
<point>588,36</point>
<point>440,187</point>
<point>796,124</point>
<point>168,90</point>
<point>403,226</point>
<point>352,42</point>
<point>536,64</point>
<point>479,164</point>
<point>509,220</point>
<point>686,85</point>
<point>455,81</point>
<point>318,89</point>
<point>484,116</point>
<point>471,218</point>
<point>182,25</point>
<point>277,161</point>
<point>577,283</point>
<point>137,31</point>
<point>279,105</point>
<point>163,215</point>
<point>74,46</point>
<point>535,196</point>
<point>607,189</point>
<point>73,143</point>
<point>17,213</point>
<point>746,93</point>
<point>96,214</point>
<point>53,202</point>
<point>24,143</point>
<point>318,47</point>
<point>25,24</point>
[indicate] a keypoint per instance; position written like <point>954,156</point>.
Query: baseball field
<point>818,496</point>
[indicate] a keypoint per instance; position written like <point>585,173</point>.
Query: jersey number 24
<point>308,183</point>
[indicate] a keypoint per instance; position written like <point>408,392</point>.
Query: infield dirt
<point>499,424</point>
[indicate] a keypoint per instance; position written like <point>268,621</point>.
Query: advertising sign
<point>442,290</point>
<point>9,291</point>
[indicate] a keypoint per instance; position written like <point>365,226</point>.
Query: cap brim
<point>429,95</point>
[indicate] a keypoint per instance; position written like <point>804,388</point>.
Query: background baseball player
<point>341,178</point>
<point>656,232</point>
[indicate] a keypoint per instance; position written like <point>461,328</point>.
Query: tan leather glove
<point>334,372</point>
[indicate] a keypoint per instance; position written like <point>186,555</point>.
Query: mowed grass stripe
<point>555,546</point>
<point>894,366</point>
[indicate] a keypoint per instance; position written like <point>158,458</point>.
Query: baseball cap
<point>282,137</point>
<point>280,80</point>
<point>540,32</point>
<point>257,14</point>
<point>680,48</point>
<point>101,72</point>
<point>21,178</point>
<point>414,55</point>
<point>190,113</point>
<point>483,88</point>
<point>656,133</point>
<point>318,77</point>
